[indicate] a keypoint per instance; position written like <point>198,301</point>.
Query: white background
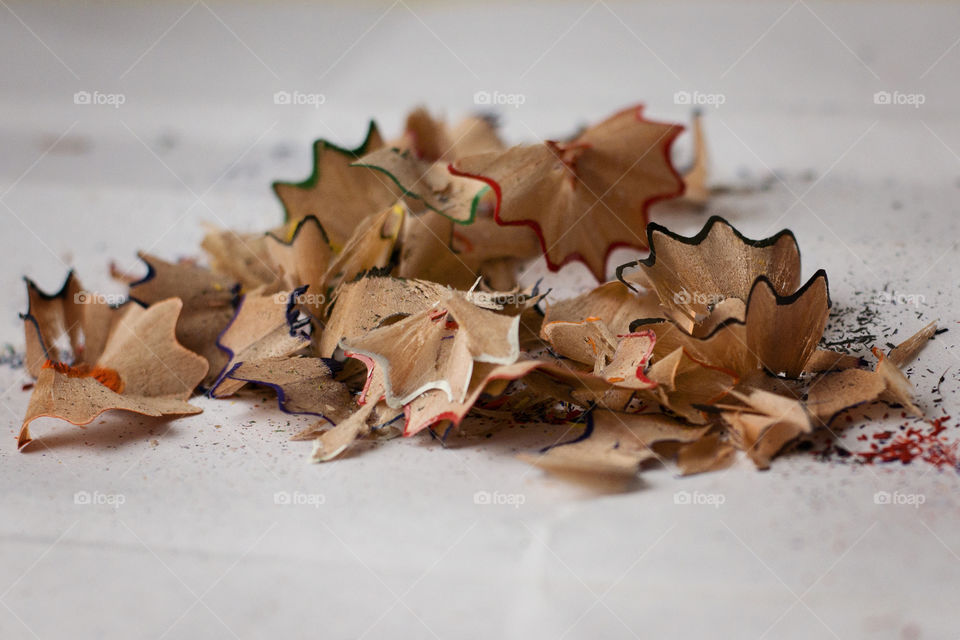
<point>398,547</point>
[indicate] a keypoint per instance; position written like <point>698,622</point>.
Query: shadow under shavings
<point>506,438</point>
<point>109,431</point>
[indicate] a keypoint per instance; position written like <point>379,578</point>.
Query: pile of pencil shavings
<point>387,304</point>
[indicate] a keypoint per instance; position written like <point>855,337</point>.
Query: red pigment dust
<point>914,443</point>
<point>107,377</point>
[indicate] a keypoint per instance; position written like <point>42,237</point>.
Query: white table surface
<point>398,548</point>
